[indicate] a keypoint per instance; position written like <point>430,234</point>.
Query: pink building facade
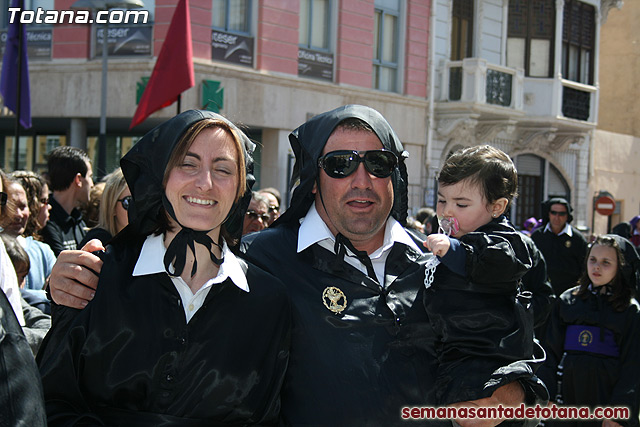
<point>268,64</point>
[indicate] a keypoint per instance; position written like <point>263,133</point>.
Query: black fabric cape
<point>592,379</point>
<point>130,358</point>
<point>481,320</point>
<point>564,256</point>
<point>362,365</point>
<point>537,282</point>
<point>21,402</point>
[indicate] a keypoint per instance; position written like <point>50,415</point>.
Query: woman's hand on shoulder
<point>74,276</point>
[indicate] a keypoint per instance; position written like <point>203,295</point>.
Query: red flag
<point>173,72</point>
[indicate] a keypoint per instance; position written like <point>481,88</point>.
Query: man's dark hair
<point>64,164</point>
<point>354,124</point>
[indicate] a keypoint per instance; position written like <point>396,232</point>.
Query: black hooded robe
<point>130,357</point>
<point>564,254</point>
<point>363,364</point>
<point>21,401</point>
<point>594,379</point>
<point>481,320</point>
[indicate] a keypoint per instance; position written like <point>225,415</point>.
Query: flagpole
<point>16,157</point>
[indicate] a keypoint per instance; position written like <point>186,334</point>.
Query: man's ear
<point>498,207</point>
<point>77,181</point>
<point>314,190</point>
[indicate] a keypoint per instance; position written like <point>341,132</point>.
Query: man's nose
<point>361,177</point>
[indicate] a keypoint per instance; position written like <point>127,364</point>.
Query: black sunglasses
<point>558,213</point>
<point>3,198</point>
<point>253,215</point>
<point>342,163</point>
<point>126,201</point>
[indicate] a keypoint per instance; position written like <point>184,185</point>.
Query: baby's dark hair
<point>485,165</point>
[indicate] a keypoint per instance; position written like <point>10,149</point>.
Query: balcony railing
<point>477,81</point>
<point>557,98</point>
<point>576,101</point>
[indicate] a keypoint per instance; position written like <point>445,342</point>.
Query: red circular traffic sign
<point>605,205</point>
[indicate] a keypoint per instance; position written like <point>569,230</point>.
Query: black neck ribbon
<point>340,248</point>
<point>187,238</point>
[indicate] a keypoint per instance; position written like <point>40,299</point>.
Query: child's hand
<point>438,244</point>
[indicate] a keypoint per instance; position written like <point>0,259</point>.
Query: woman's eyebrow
<point>216,159</point>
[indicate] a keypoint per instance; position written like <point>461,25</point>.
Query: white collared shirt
<point>151,261</point>
<point>566,230</point>
<point>314,230</point>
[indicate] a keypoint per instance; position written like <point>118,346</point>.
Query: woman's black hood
<point>309,140</point>
<point>144,167</point>
<point>631,269</point>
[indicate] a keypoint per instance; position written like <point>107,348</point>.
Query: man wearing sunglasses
<point>563,246</point>
<point>257,216</point>
<point>362,346</point>
<point>355,275</point>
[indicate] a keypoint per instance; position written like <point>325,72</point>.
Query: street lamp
<point>99,5</point>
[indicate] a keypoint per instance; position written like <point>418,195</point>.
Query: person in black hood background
<point>593,336</point>
<point>563,246</point>
<point>181,331</point>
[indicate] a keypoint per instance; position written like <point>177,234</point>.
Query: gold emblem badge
<point>567,243</point>
<point>332,297</point>
<point>585,338</point>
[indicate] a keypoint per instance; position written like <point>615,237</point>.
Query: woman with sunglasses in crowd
<point>181,331</point>
<point>114,204</point>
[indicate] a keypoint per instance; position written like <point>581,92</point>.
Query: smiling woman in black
<point>181,331</point>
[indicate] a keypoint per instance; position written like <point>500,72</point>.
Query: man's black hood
<point>546,207</point>
<point>144,167</point>
<point>309,140</point>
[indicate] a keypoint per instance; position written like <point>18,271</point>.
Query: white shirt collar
<point>566,230</point>
<point>151,261</point>
<point>314,230</point>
